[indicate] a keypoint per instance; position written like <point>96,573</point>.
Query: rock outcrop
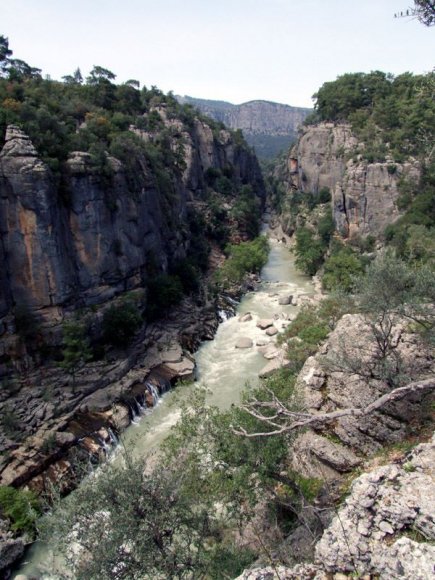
<point>364,194</point>
<point>387,525</point>
<point>324,385</point>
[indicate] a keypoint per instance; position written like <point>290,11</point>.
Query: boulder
<point>271,331</point>
<point>10,551</point>
<point>272,366</point>
<point>244,342</point>
<point>245,317</point>
<point>265,323</point>
<point>285,300</point>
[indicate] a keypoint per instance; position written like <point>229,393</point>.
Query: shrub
<point>309,251</point>
<point>164,291</point>
<point>340,270</point>
<point>120,323</point>
<point>244,258</point>
<point>21,507</point>
<point>324,195</point>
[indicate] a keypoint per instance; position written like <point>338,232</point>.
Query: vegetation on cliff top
<point>389,114</point>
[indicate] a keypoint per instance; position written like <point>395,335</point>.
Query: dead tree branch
<point>292,420</point>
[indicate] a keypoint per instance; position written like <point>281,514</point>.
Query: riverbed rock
<point>265,323</point>
<point>245,317</point>
<point>272,366</point>
<point>271,331</point>
<point>244,342</point>
<point>285,300</point>
<point>120,416</point>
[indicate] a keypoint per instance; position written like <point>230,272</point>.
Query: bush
<point>244,258</point>
<point>309,251</point>
<point>120,323</point>
<point>21,507</point>
<point>164,291</point>
<point>340,270</point>
<point>324,195</point>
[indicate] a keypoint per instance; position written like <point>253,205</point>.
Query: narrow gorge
<point>212,368</point>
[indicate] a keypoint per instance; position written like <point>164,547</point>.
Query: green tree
<point>76,351</point>
<point>120,323</point>
<point>309,251</point>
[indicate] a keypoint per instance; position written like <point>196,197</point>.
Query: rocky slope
<point>385,529</point>
<point>269,127</point>
<point>364,194</point>
<point>386,526</point>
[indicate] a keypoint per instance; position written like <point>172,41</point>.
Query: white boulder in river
<point>244,342</point>
<point>265,323</point>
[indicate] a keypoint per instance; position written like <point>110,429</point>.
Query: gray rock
<point>285,300</point>
<point>244,342</point>
<point>245,317</point>
<point>271,331</point>
<point>10,551</point>
<point>372,537</point>
<point>265,323</point>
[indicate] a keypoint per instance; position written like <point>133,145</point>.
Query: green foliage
<point>324,195</point>
<point>341,269</point>
<point>412,235</point>
<point>244,258</point>
<point>309,251</point>
<point>10,423</point>
<point>120,322</point>
<point>382,109</point>
<point>21,507</point>
<point>246,211</point>
<point>76,351</point>
<point>164,291</point>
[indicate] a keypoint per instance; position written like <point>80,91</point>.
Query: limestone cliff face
<point>364,195</point>
<point>97,239</point>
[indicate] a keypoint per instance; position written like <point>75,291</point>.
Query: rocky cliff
<point>98,239</point>
<point>364,194</point>
<point>267,126</point>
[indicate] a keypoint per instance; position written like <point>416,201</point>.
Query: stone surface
<point>285,300</point>
<point>364,195</point>
<point>376,528</point>
<point>271,331</point>
<point>245,317</point>
<point>272,366</point>
<point>324,388</point>
<point>265,323</point>
<point>10,551</point>
<point>244,342</point>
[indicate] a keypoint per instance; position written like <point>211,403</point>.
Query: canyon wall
<point>364,194</point>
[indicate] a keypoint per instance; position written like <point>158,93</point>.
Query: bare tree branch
<point>296,420</point>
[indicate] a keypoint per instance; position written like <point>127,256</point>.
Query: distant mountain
<point>267,126</point>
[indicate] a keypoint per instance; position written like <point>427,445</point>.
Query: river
<point>223,369</point>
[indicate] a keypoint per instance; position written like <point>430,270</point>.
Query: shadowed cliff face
<point>97,239</point>
<point>364,194</point>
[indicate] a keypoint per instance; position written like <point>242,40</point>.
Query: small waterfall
<point>153,392</point>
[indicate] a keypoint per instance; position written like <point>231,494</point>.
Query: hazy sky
<point>235,50</point>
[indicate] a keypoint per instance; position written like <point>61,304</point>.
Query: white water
<point>222,368</point>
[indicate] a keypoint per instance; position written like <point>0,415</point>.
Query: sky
<point>233,50</point>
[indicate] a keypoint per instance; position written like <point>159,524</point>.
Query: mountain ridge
<point>268,126</point>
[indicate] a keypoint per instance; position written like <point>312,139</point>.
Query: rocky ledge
<point>385,529</point>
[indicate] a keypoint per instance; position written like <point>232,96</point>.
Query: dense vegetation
<point>391,115</point>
